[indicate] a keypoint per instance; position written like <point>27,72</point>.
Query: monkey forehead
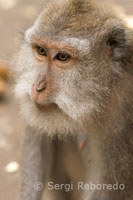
<point>67,43</point>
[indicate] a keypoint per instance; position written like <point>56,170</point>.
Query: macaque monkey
<point>75,82</point>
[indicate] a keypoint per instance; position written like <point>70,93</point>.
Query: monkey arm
<point>35,171</point>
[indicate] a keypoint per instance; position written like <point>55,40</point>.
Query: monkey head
<point>70,59</point>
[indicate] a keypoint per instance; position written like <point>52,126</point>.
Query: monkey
<point>74,77</point>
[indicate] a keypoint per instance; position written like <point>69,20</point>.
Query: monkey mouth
<point>47,107</point>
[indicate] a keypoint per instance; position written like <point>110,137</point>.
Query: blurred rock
<point>129,20</point>
<point>3,87</point>
<point>4,75</point>
<point>12,167</point>
<point>29,12</point>
<point>8,4</point>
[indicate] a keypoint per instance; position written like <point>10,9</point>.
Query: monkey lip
<point>47,107</point>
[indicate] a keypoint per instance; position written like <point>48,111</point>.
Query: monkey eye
<point>62,57</point>
<point>41,51</point>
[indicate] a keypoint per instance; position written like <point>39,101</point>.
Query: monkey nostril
<point>40,88</point>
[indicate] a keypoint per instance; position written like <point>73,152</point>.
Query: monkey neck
<point>117,111</point>
<point>107,137</point>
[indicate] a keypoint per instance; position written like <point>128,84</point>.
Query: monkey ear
<point>120,41</point>
<point>117,42</point>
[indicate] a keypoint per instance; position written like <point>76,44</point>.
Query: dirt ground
<point>13,17</point>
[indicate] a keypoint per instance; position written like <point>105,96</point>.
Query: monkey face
<point>57,82</point>
<point>39,84</point>
<point>67,68</point>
